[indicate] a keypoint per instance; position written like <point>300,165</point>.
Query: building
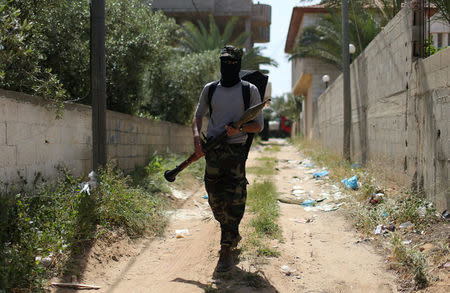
<point>254,18</point>
<point>307,73</point>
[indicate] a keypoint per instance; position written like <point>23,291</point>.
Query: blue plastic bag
<point>320,174</point>
<point>308,202</point>
<point>351,183</point>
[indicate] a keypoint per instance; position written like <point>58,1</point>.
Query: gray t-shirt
<point>227,106</point>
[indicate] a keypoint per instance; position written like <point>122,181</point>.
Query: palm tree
<point>324,40</point>
<point>199,39</point>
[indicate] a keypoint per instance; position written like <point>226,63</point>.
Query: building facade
<point>254,18</point>
<point>307,73</point>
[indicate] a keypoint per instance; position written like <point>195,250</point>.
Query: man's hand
<point>231,130</point>
<point>198,147</point>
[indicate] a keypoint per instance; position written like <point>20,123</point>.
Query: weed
<point>53,220</point>
<point>267,166</point>
<point>410,261</point>
<point>120,205</point>
<point>254,280</point>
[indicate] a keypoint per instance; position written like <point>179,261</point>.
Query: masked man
<point>225,179</point>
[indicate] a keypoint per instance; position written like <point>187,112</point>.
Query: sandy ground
<point>324,255</point>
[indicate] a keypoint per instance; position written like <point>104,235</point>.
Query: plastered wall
<point>400,112</point>
<point>33,142</point>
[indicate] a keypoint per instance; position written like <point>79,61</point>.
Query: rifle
<point>210,144</point>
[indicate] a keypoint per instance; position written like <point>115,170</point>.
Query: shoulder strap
<point>246,94</point>
<point>211,90</point>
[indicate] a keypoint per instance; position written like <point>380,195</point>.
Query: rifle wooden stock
<point>170,175</point>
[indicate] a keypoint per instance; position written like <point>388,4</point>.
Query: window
<point>439,40</point>
<point>448,39</point>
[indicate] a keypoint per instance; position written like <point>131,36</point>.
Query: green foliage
<point>267,167</point>
<point>262,200</point>
<point>45,222</point>
<point>197,38</point>
<point>138,42</point>
<point>20,60</point>
<point>324,40</point>
<point>121,205</point>
<point>288,105</point>
<point>410,261</point>
<point>174,97</point>
<point>56,219</point>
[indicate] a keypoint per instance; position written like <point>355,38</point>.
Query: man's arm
<point>196,128</point>
<point>250,127</point>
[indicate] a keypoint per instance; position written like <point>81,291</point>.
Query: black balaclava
<point>230,72</point>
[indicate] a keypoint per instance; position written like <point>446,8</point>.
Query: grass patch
<point>265,168</point>
<point>262,202</point>
<point>272,149</point>
<point>52,220</point>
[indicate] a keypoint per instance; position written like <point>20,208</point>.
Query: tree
<point>20,68</point>
<point>174,97</point>
<point>288,105</point>
<point>137,41</point>
<point>324,40</point>
<point>444,9</point>
<point>198,39</point>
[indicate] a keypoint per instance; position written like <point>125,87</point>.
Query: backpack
<point>245,96</point>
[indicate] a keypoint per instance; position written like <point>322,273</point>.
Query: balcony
<point>261,14</point>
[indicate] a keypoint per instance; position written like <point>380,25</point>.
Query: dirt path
<point>325,252</point>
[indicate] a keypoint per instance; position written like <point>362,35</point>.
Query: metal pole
<point>346,72</point>
<point>98,83</point>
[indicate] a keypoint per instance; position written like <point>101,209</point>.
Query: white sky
<point>280,77</point>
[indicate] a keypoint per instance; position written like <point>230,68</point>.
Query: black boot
<point>225,262</point>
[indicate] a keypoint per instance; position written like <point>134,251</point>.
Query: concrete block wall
<point>33,141</point>
<point>400,111</point>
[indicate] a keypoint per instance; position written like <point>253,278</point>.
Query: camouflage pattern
<point>226,185</point>
<point>231,52</point>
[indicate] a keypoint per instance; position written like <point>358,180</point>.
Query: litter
<point>376,198</point>
<point>205,196</point>
<point>406,242</point>
<point>298,192</point>
<point>295,187</point>
<point>287,270</point>
<point>181,233</point>
<point>406,225</point>
<point>308,202</point>
<point>309,165</point>
<point>306,220</point>
<point>329,207</point>
<point>351,183</point>
<point>356,166</point>
<point>91,184</point>
<point>382,229</point>
<point>445,215</point>
<point>422,211</point>
<point>321,174</point>
<point>338,195</point>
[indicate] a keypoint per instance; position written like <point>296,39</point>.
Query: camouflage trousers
<point>226,185</point>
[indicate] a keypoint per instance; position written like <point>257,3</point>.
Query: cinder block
<point>26,154</point>
<point>8,109</point>
<point>8,156</point>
